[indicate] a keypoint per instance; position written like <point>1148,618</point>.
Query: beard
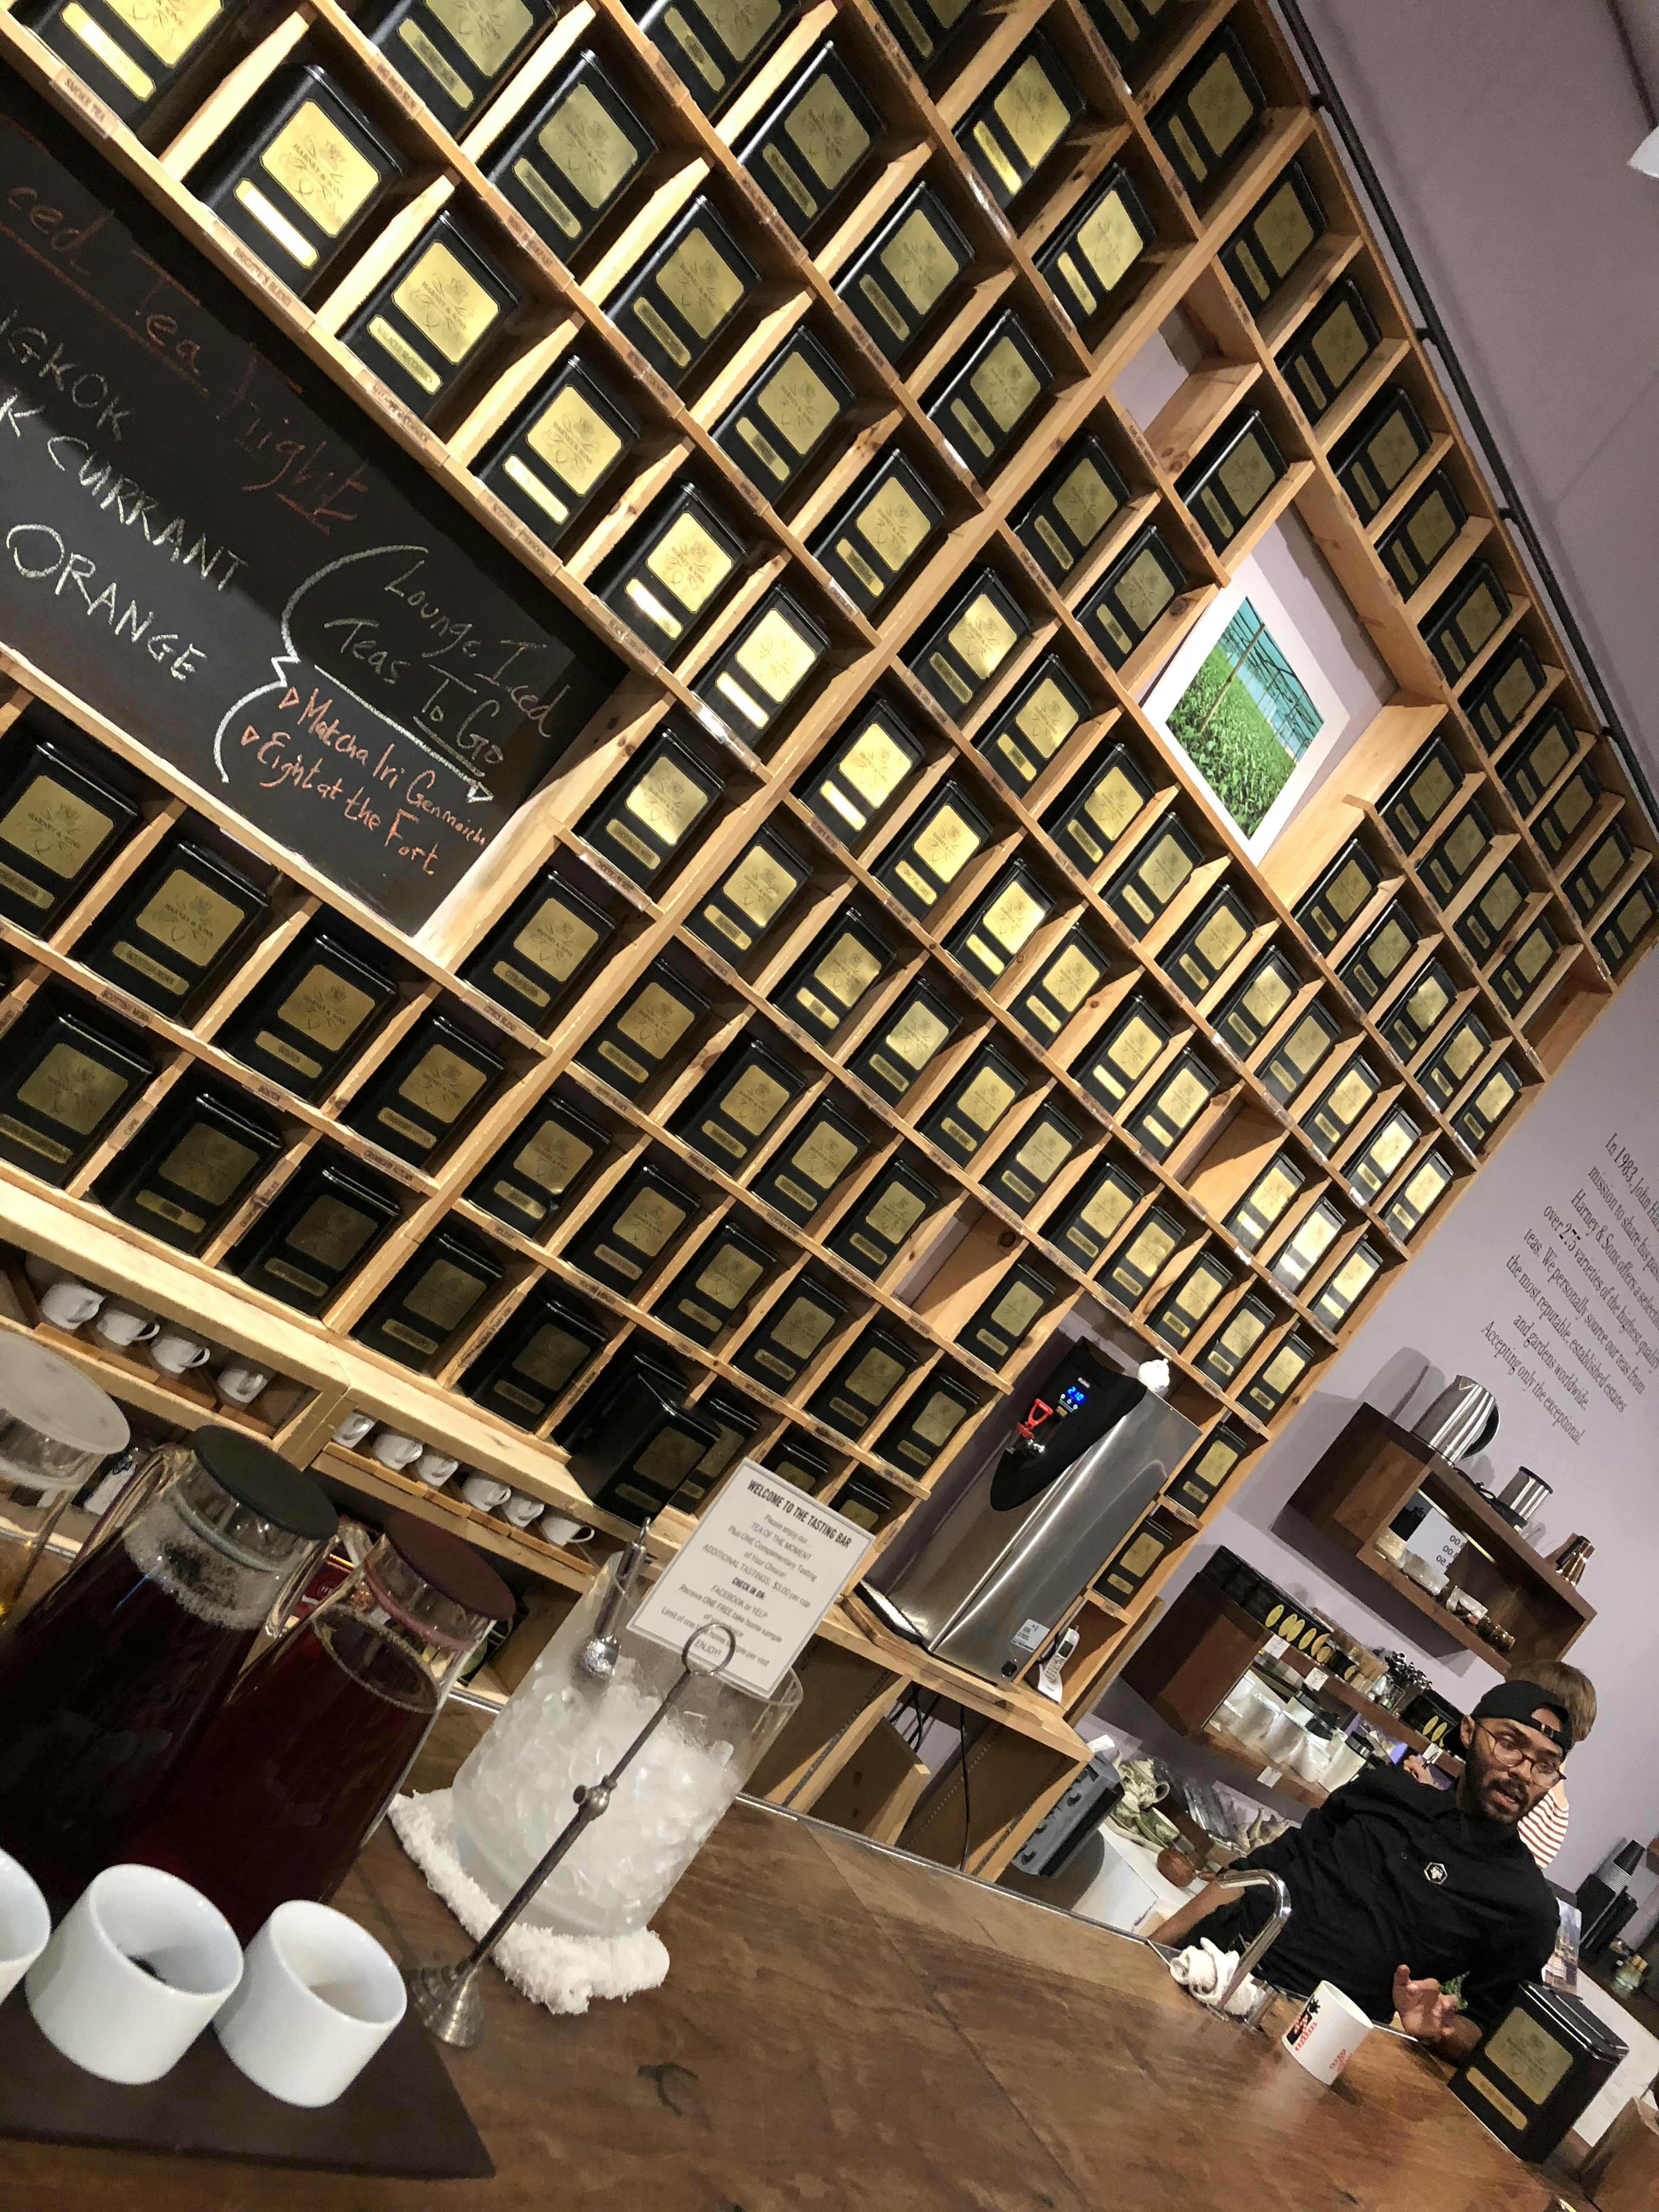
<point>1501,1794</point>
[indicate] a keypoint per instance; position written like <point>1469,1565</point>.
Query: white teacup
<point>394,1450</point>
<point>133,1973</point>
<point>25,1923</point>
<point>240,1384</point>
<point>318,1998</point>
<point>69,1305</point>
<point>121,1324</point>
<point>485,1492</point>
<point>559,1528</point>
<point>1327,2031</point>
<point>520,1509</point>
<point>435,1468</point>
<point>353,1429</point>
<point>175,1351</point>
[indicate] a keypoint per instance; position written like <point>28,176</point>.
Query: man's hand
<point>1428,2015</point>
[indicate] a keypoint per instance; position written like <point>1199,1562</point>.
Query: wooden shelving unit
<point>1373,1469</point>
<point>1022,1748</point>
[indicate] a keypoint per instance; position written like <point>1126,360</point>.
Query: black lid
<point>264,1482</point>
<point>454,1569</point>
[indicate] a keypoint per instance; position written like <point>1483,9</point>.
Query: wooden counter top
<point>844,2030</point>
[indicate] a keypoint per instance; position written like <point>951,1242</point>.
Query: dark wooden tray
<point>401,2116</point>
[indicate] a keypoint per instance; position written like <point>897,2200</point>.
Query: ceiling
<point>1502,131</point>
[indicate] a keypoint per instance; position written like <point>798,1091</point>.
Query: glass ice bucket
<point>560,1727</point>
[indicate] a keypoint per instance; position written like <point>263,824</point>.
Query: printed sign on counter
<point>768,1562</point>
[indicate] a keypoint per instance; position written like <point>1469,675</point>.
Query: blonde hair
<point>1574,1688</point>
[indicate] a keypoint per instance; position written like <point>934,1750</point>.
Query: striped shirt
<point>1545,1828</point>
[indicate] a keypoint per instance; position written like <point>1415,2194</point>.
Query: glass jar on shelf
<point>57,1429</point>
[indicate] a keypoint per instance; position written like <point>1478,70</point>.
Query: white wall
<point>1501,130</point>
<point>1438,1321</point>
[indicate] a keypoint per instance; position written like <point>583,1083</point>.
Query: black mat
<point>401,2116</point>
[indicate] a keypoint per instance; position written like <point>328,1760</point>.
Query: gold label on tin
<point>445,1295</point>
<point>919,261</point>
<point>667,1458</point>
<point>1500,902</point>
<point>553,1158</point>
<point>191,919</point>
<point>578,445</point>
<point>829,137</point>
<point>1339,345</point>
<point>1282,229</point>
<point>1031,112</point>
<point>1391,1146</point>
<point>686,560</point>
<point>208,1164</point>
<point>1283,1369</point>
<point>446,302</point>
<point>893,524</point>
<point>1135,1047</point>
<point>1219,105</point>
<point>758,886</point>
<point>1431,529</point>
<point>893,1213</point>
<point>1347,1100</point>
<point>1164,869</point>
<point>330,1232</point>
<point>1273,1193</point>
<point>875,1378</point>
<point>1349,891</point>
<point>776,656</point>
<point>1046,718</point>
<point>1513,689</point>
<point>1244,1332</point>
<point>1494,1097</point>
<point>648,1222</point>
<point>847,969</point>
<point>441,1083</point>
<point>555,940</point>
<point>55,827</point>
<point>1431,789</point>
<point>1013,917</point>
<point>1267,995</point>
<point>1316,1236</point>
<point>917,1035</point>
<point>1107,1209</point>
<point>168,27</point>
<point>1143,590</point>
<point>822,1155</point>
<point>1307,1045</point>
<point>1466,842</point>
<point>1108,242</point>
<point>986,1098</point>
<point>1200,1292</point>
<point>1479,616</point>
<point>983,637</point>
<point>1350,1278</point>
<point>1085,502</point>
<point>1184,1098</point>
<point>585,145</point>
<point>1549,757</point>
<point>1573,804</point>
<point>1044,1151</point>
<point>487,31</point>
<point>1424,1186</point>
<point>1532,954</point>
<point>1019,1307</point>
<point>939,1418</point>
<point>1069,979</point>
<point>324,1007</point>
<point>1606,863</point>
<point>1113,804</point>
<point>802,1327</point>
<point>874,765</point>
<point>730,1276</point>
<point>666,800</point>
<point>1150,1250</point>
<point>1388,948</point>
<point>798,404</point>
<point>754,1101</point>
<point>656,1021</point>
<point>945,844</point>
<point>1427,1003</point>
<point>1464,1048</point>
<point>1393,450</point>
<point>550,1357</point>
<point>700,283</point>
<point>1220,938</point>
<point>1006,384</point>
<point>1247,475</point>
<point>740,25</point>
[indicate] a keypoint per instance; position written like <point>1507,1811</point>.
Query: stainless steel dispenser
<point>990,1571</point>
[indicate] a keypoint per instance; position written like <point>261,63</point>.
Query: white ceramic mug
<point>175,1351</point>
<point>1326,2033</point>
<point>69,1305</point>
<point>559,1528</point>
<point>395,1451</point>
<point>520,1509</point>
<point>435,1468</point>
<point>106,2012</point>
<point>485,1492</point>
<point>25,1923</point>
<point>353,1429</point>
<point>121,1324</point>
<point>240,1384</point>
<point>319,1997</point>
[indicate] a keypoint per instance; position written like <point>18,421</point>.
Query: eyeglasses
<point>1515,1751</point>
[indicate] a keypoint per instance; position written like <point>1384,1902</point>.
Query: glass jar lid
<point>57,1427</point>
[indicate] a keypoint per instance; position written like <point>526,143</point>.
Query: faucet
<point>1254,1878</point>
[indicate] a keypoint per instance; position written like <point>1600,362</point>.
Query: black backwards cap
<point>1519,1701</point>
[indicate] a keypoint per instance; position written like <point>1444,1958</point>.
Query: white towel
<point>562,1973</point>
<point>1204,1971</point>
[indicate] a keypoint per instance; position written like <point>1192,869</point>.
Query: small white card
<point>766,1561</point>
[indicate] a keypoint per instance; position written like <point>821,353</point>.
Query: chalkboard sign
<point>190,545</point>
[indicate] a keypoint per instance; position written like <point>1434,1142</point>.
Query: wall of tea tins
<point>870,990</point>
